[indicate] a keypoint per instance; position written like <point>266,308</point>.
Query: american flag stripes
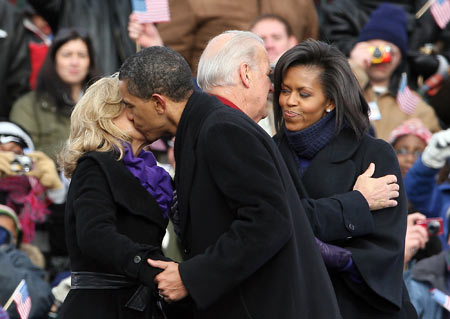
<point>22,300</point>
<point>406,99</point>
<point>440,9</point>
<point>151,11</point>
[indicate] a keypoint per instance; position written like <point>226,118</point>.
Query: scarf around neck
<point>308,142</point>
<point>153,178</point>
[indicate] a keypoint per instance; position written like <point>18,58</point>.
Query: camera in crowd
<point>21,164</point>
<point>434,226</point>
<point>381,54</point>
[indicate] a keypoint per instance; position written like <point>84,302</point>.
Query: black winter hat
<point>387,22</point>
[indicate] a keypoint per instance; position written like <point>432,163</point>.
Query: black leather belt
<point>97,280</point>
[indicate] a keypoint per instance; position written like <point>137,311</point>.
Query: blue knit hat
<point>387,22</point>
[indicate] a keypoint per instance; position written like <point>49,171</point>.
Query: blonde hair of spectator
<point>91,124</point>
<point>219,63</point>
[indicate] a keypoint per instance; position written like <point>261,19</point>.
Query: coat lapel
<point>333,160</point>
<point>131,195</point>
<point>198,108</point>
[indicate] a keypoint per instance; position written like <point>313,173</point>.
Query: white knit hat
<point>10,129</point>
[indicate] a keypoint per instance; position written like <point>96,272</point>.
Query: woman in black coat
<point>116,212</point>
<point>322,123</point>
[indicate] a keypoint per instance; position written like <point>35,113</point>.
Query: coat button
<point>351,226</point>
<point>137,259</point>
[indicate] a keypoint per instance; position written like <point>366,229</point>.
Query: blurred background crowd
<point>51,50</point>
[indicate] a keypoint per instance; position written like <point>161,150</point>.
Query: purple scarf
<point>154,178</point>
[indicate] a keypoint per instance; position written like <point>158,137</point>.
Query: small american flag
<point>406,99</point>
<point>440,9</point>
<point>22,300</point>
<point>150,11</point>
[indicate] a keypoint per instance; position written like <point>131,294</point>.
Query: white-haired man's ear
<point>244,73</point>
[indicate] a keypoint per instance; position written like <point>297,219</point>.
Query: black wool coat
<point>250,249</point>
<point>112,226</point>
<point>378,256</point>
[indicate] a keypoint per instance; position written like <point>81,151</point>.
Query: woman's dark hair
<point>49,84</point>
<point>338,81</point>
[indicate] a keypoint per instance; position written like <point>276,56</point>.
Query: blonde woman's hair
<point>91,124</point>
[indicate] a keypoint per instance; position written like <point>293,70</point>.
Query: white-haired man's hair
<point>220,69</point>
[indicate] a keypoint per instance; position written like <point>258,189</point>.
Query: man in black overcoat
<point>250,248</point>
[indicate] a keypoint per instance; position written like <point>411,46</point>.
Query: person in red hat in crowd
<point>427,182</point>
<point>409,140</point>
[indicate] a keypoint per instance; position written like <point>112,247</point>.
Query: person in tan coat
<point>194,22</point>
<point>386,32</point>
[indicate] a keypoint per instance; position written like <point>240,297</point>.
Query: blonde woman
<point>116,211</point>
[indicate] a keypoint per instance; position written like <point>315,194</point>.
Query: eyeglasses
<point>404,151</point>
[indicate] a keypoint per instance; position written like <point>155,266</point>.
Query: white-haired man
<point>250,251</point>
<point>232,204</point>
<point>235,68</point>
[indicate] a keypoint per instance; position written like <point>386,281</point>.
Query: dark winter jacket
<point>15,67</point>
<point>112,226</point>
<point>250,249</point>
<point>378,256</point>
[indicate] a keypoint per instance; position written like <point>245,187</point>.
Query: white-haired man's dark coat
<point>250,249</point>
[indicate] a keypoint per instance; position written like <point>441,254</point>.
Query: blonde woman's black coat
<point>378,256</point>
<point>112,226</point>
<point>250,249</point>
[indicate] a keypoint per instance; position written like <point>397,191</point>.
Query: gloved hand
<point>424,64</point>
<point>5,163</point>
<point>437,150</point>
<point>44,169</point>
<point>335,257</point>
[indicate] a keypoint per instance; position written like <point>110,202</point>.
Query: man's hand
<point>145,34</point>
<point>416,236</point>
<point>170,285</point>
<point>378,192</point>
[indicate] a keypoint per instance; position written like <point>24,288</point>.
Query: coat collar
<point>341,147</point>
<point>339,150</point>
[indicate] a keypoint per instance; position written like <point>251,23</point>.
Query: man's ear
<point>160,103</point>
<point>244,74</point>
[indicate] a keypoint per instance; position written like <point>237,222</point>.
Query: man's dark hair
<point>157,70</point>
<point>338,82</point>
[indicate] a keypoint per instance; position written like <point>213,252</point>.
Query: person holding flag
<point>32,297</point>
